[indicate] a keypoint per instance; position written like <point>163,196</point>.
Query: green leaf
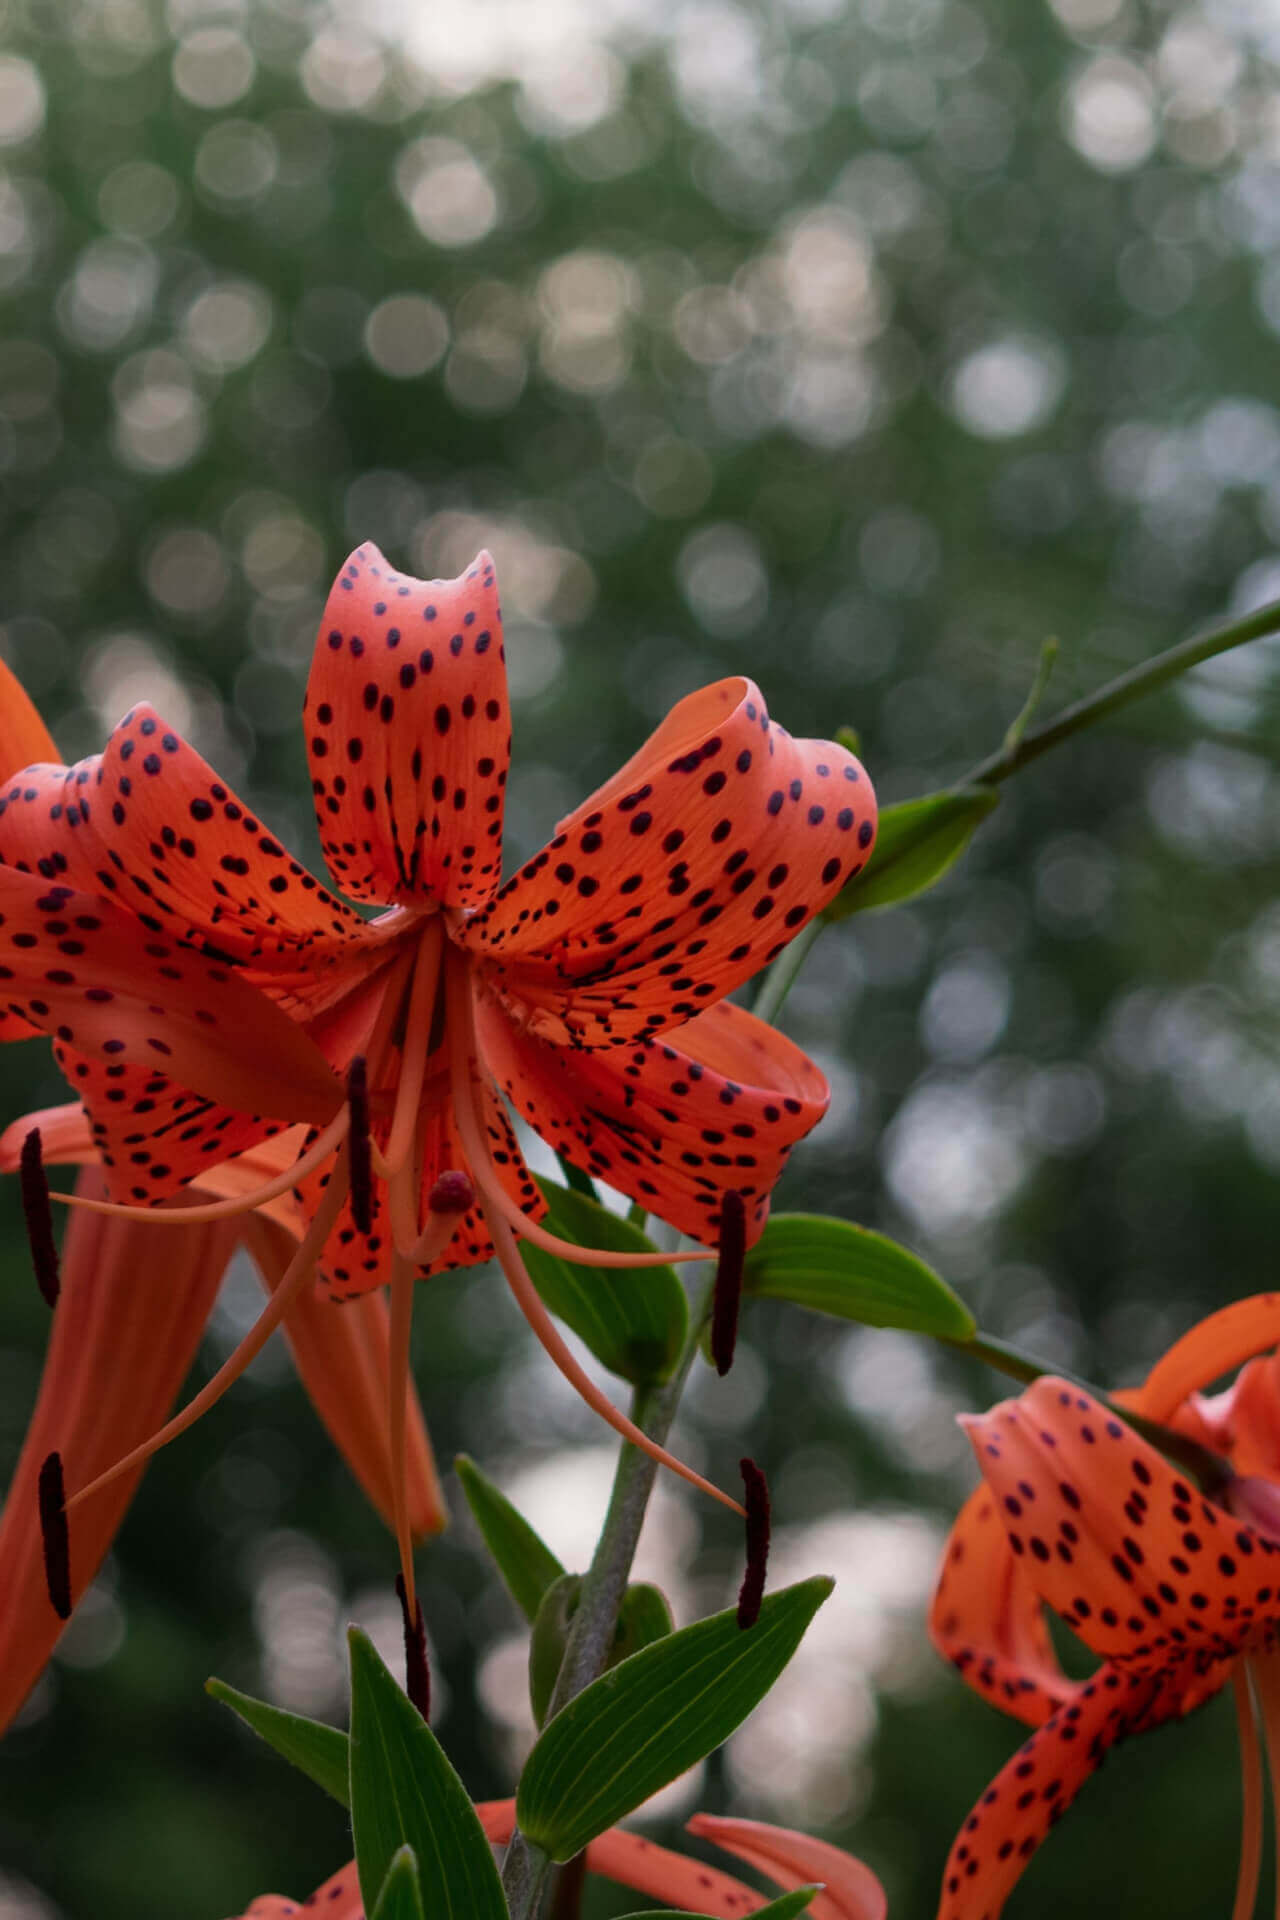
<point>401,1896</point>
<point>526,1563</point>
<point>780,1909</point>
<point>634,1320</point>
<point>318,1751</point>
<point>834,1267</point>
<point>405,1793</point>
<point>638,1727</point>
<point>917,843</point>
<point>643,1617</point>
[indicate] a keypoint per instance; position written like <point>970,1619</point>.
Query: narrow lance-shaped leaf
<point>633,1320</point>
<point>918,842</point>
<point>405,1793</point>
<point>401,1896</point>
<point>782,1908</point>
<point>638,1727</point>
<point>316,1750</point>
<point>526,1563</point>
<point>834,1267</point>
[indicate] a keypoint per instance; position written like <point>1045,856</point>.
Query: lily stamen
<point>38,1215</point>
<point>300,1270</point>
<point>54,1537</point>
<point>726,1303</point>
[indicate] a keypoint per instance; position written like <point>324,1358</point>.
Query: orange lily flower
<point>125,1334</point>
<point>850,1890</point>
<point>206,993</point>
<point>1175,1591</point>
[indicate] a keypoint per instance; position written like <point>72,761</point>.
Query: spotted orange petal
<point>1038,1784</point>
<point>23,738</point>
<point>343,1357</point>
<point>124,1334</point>
<point>75,966</point>
<point>671,1122</point>
<point>1116,1541</point>
<point>409,733</point>
<point>150,824</point>
<point>850,1890</point>
<point>680,878</point>
<point>987,1618</point>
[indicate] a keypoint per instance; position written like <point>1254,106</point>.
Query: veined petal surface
<point>128,1321</point>
<point>850,1890</point>
<point>671,1122</point>
<point>409,733</point>
<point>684,875</point>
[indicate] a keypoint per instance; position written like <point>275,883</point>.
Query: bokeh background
<point>858,345</point>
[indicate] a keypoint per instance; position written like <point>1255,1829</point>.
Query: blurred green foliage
<point>853,347</point>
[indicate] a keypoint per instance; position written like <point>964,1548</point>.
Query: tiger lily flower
<point>1176,1590</point>
<point>206,993</point>
<point>850,1890</point>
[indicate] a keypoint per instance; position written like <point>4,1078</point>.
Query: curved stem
<point>1121,691</point>
<point>782,975</point>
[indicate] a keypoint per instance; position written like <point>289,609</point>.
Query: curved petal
<point>337,1899</point>
<point>343,1357</point>
<point>1244,1422</point>
<point>1035,1788</point>
<point>638,1863</point>
<point>1213,1347</point>
<point>987,1618</point>
<point>148,823</point>
<point>409,734</point>
<point>1139,1564</point>
<point>24,736</point>
<point>850,1890</point>
<point>124,1334</point>
<point>75,966</point>
<point>66,1139</point>
<point>671,1125</point>
<point>682,877</point>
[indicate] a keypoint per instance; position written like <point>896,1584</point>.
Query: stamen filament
<point>315,1156</point>
<point>460,1030</point>
<point>298,1273</point>
<point>359,1143</point>
<point>403,1281</point>
<point>1251,1797</point>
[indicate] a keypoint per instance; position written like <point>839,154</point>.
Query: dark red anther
<point>727,1300</point>
<point>417,1674</point>
<point>453,1192</point>
<point>751,1592</point>
<point>54,1535</point>
<point>360,1158</point>
<point>38,1215</point>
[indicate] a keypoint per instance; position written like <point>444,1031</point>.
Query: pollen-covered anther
<point>453,1192</point>
<point>38,1214</point>
<point>54,1536</point>
<point>417,1671</point>
<point>360,1146</point>
<point>727,1301</point>
<point>751,1592</point>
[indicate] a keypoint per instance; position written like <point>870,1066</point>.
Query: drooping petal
<point>672,1122</point>
<point>409,734</point>
<point>1213,1347</point>
<point>1244,1422</point>
<point>638,1863</point>
<point>343,1357</point>
<point>850,1890</point>
<point>149,824</point>
<point>1035,1788</point>
<point>74,965</point>
<point>129,1319</point>
<point>987,1618</point>
<point>1117,1542</point>
<point>680,878</point>
<point>150,1134</point>
<point>24,736</point>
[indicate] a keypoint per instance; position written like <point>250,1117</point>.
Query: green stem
<point>781,976</point>
<point>526,1870</point>
<point>1140,680</point>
